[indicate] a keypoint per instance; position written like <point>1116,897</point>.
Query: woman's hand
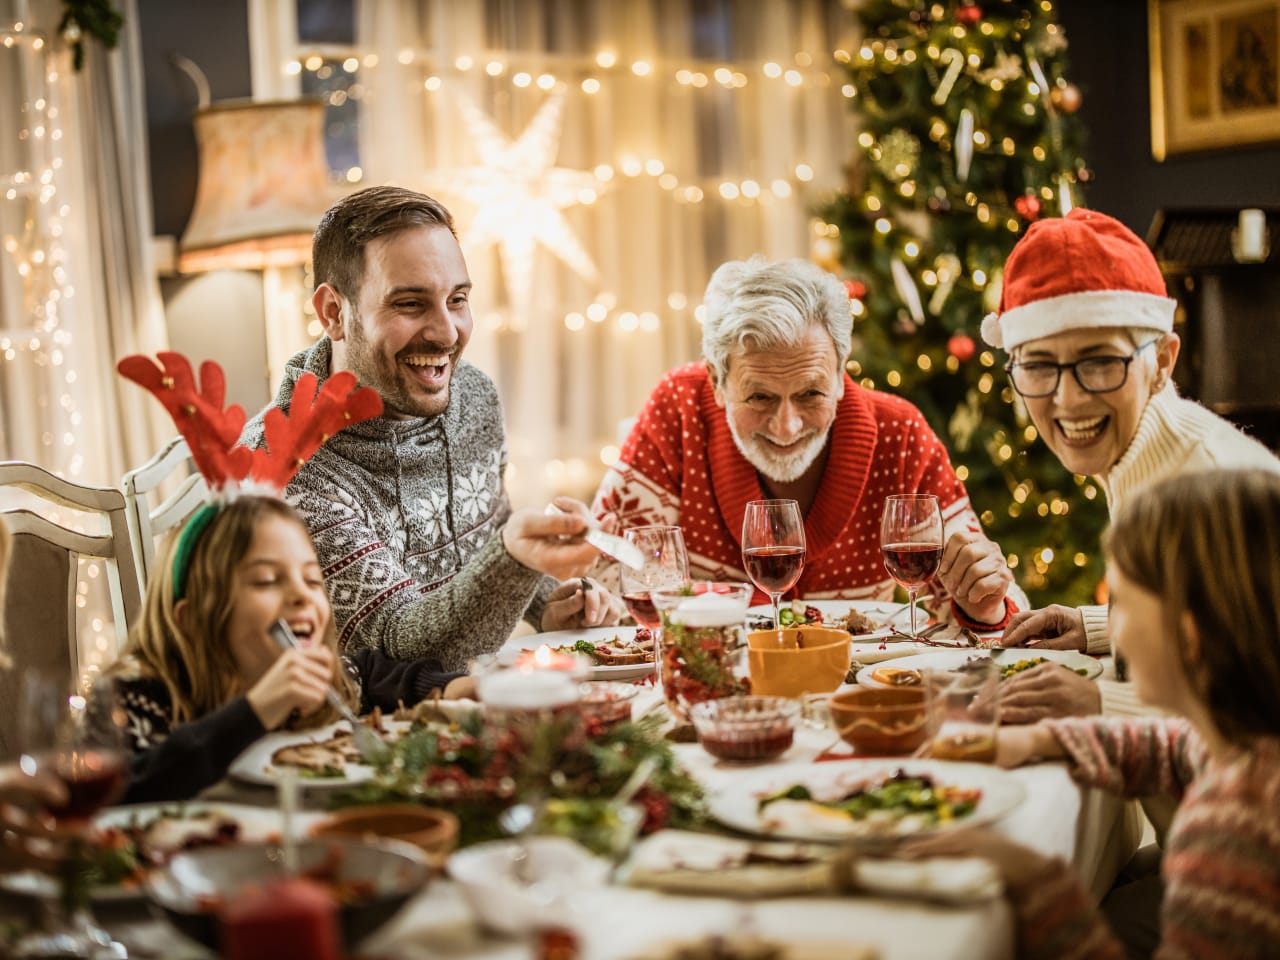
<point>298,680</point>
<point>576,604</point>
<point>1054,627</point>
<point>1047,691</point>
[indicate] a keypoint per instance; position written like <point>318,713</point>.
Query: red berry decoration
<point>969,13</point>
<point>1028,207</point>
<point>961,346</point>
<point>856,288</point>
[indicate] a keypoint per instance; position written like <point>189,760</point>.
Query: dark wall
<point>214,34</point>
<point>1109,62</point>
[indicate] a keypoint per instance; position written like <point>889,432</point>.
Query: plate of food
<point>323,757</point>
<point>135,838</point>
<point>865,801</point>
<point>871,623</point>
<point>615,653</point>
<point>907,671</point>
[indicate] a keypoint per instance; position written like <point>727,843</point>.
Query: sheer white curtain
<point>670,135</point>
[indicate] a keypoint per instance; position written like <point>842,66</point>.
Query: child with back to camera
<point>201,678</point>
<point>1194,574</point>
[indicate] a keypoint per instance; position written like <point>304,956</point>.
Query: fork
<point>371,747</point>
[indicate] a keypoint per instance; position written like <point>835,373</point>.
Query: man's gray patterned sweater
<point>406,515</point>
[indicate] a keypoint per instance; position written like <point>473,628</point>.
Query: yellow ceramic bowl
<point>791,663</point>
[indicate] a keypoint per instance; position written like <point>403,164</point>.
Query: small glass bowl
<point>746,729</point>
<point>608,702</point>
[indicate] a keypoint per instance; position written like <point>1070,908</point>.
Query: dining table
<point>617,921</point>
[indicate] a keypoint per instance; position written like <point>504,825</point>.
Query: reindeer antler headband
<point>213,433</point>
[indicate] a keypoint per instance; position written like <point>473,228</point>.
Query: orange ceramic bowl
<point>881,721</point>
<point>796,661</point>
<point>433,831</point>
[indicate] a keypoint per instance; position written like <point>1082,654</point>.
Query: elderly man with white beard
<point>771,413</point>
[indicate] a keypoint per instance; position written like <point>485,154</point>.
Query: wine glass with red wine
<point>666,566</point>
<point>911,543</point>
<point>773,548</point>
<point>80,743</point>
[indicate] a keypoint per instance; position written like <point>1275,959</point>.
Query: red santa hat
<point>1081,271</point>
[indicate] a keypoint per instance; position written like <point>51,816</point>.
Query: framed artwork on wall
<point>1215,74</point>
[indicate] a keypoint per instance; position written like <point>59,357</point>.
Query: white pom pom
<point>991,330</point>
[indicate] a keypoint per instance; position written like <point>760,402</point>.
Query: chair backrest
<point>147,523</point>
<point>40,622</point>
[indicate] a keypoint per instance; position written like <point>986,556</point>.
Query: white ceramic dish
<point>254,764</point>
<point>257,825</point>
<point>562,638</point>
<point>867,647</point>
<point>737,805</point>
<point>952,659</point>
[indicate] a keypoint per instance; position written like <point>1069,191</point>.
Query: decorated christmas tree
<point>968,135</point>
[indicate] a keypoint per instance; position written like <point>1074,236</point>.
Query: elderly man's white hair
<point>765,305</point>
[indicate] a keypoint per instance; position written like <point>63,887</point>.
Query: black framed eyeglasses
<point>1040,378</point>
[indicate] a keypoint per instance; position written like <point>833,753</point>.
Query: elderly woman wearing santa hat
<point>1088,326</point>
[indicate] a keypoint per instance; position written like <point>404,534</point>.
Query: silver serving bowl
<point>190,889</point>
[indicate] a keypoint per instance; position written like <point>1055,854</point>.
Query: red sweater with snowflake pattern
<point>680,465</point>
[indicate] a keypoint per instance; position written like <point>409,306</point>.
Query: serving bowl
<point>193,886</point>
<point>746,729</point>
<point>881,721</point>
<point>431,830</point>
<point>797,661</point>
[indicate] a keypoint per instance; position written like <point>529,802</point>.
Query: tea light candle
<point>709,610</point>
<point>525,689</point>
<point>290,917</point>
<point>544,658</point>
<point>1251,236</point>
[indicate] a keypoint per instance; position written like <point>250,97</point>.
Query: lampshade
<point>264,185</point>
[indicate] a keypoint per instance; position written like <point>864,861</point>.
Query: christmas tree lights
<point>968,136</point>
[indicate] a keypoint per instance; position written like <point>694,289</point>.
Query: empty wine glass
<point>911,543</point>
<point>82,744</point>
<point>666,566</point>
<point>773,548</point>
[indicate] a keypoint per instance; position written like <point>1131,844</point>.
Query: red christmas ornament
<point>1028,207</point>
<point>969,13</point>
<point>961,346</point>
<point>857,289</point>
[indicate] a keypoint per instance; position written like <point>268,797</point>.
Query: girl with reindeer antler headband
<point>201,678</point>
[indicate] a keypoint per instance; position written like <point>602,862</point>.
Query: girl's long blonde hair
<point>190,654</point>
<point>1208,545</point>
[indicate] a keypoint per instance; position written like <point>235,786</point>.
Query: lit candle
<point>290,916</point>
<point>544,658</point>
<point>526,689</point>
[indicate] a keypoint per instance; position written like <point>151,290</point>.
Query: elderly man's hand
<point>576,604</point>
<point>1055,627</point>
<point>1048,690</point>
<point>975,573</point>
<point>550,543</point>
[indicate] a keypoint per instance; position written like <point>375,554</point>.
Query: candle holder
<point>700,651</point>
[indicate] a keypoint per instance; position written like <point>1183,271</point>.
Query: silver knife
<point>622,550</point>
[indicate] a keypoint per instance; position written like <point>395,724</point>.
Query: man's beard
<point>779,468</point>
<point>397,391</point>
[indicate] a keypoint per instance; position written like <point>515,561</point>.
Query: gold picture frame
<point>1215,74</point>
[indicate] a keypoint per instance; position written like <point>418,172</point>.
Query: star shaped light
<point>518,195</point>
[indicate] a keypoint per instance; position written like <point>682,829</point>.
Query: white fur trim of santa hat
<point>1079,272</point>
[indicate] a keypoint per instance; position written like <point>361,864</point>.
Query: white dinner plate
<point>867,647</point>
<point>257,825</point>
<point>952,659</point>
<point>562,638</point>
<point>254,764</point>
<point>738,805</point>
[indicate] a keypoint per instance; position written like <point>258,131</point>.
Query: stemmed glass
<point>666,566</point>
<point>83,746</point>
<point>911,543</point>
<point>773,548</point>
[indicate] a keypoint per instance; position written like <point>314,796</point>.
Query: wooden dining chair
<point>151,514</point>
<point>56,524</point>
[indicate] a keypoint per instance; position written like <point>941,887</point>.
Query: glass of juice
<point>964,710</point>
